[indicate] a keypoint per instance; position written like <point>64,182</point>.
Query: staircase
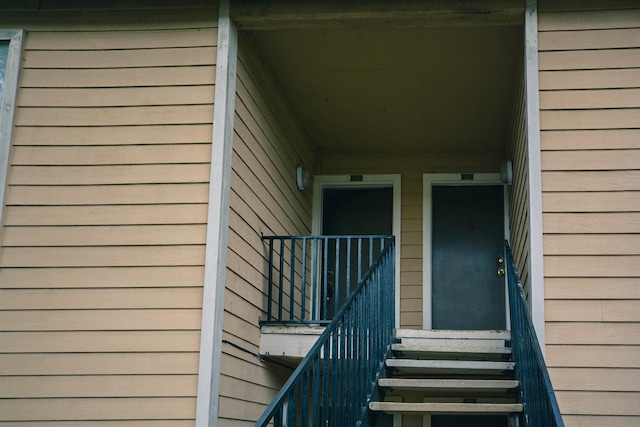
<point>436,372</point>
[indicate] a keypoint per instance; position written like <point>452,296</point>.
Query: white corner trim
<point>7,108</point>
<point>368,180</point>
<point>215,268</point>
<point>536,254</point>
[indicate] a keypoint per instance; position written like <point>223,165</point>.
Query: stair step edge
<point>453,334</point>
<point>437,348</point>
<point>452,364</point>
<point>447,384</point>
<point>446,408</point>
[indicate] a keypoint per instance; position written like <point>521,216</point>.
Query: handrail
<point>333,384</point>
<point>536,392</point>
<point>310,277</point>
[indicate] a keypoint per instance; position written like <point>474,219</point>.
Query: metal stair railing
<point>310,277</point>
<point>536,391</point>
<point>334,383</point>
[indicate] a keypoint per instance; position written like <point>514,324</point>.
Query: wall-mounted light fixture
<point>506,172</point>
<point>303,177</point>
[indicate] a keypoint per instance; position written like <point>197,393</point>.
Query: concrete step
<point>448,385</point>
<point>449,367</point>
<point>452,334</point>
<point>446,408</point>
<point>429,350</point>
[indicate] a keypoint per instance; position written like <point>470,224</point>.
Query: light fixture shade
<point>506,172</point>
<point>303,177</point>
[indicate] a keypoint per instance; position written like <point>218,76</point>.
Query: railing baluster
<point>303,281</point>
<point>348,283</point>
<point>335,376</point>
<point>292,280</point>
<point>281,287</point>
<point>359,259</point>
<point>270,283</point>
<point>316,391</point>
<point>325,275</point>
<point>336,277</point>
<point>314,279</point>
<point>304,400</point>
<point>326,374</point>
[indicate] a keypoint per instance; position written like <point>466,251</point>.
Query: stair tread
<point>446,408</point>
<point>447,384</point>
<point>453,334</point>
<point>450,364</point>
<point>452,349</point>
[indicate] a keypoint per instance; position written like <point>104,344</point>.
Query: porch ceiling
<point>400,90</point>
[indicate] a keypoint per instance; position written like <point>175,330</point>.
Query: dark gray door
<point>467,241</point>
<point>353,211</point>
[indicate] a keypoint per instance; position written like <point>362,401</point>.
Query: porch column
<point>215,267</point>
<point>536,255</point>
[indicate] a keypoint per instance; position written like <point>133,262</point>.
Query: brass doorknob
<point>501,272</point>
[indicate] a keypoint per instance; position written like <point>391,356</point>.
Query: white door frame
<point>428,181</point>
<point>321,182</point>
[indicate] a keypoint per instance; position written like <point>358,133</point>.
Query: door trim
<point>394,181</point>
<point>428,181</point>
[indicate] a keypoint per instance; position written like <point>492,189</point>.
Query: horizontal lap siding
<point>590,123</point>
<point>411,170</point>
<point>519,192</point>
<point>103,243</point>
<point>264,200</point>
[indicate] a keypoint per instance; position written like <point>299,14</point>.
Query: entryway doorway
<point>465,225</point>
<point>356,205</point>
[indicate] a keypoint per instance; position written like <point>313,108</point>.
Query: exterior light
<point>506,172</point>
<point>303,177</point>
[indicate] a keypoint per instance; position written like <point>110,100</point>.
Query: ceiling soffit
<point>399,90</point>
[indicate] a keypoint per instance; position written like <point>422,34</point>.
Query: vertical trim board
<point>207,403</point>
<point>7,107</point>
<point>536,255</point>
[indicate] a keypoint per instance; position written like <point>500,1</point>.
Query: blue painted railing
<point>536,392</point>
<point>310,277</point>
<point>334,383</point>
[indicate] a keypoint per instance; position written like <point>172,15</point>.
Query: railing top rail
<point>330,236</point>
<point>527,348</point>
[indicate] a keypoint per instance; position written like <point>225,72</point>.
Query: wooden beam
<point>292,14</point>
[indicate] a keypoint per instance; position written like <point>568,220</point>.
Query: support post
<point>215,269</point>
<point>536,255</point>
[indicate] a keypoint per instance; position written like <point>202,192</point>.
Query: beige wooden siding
<point>519,192</point>
<point>411,169</point>
<point>268,146</point>
<point>590,120</point>
<point>103,244</point>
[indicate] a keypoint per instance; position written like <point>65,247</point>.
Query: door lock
<point>501,270</point>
